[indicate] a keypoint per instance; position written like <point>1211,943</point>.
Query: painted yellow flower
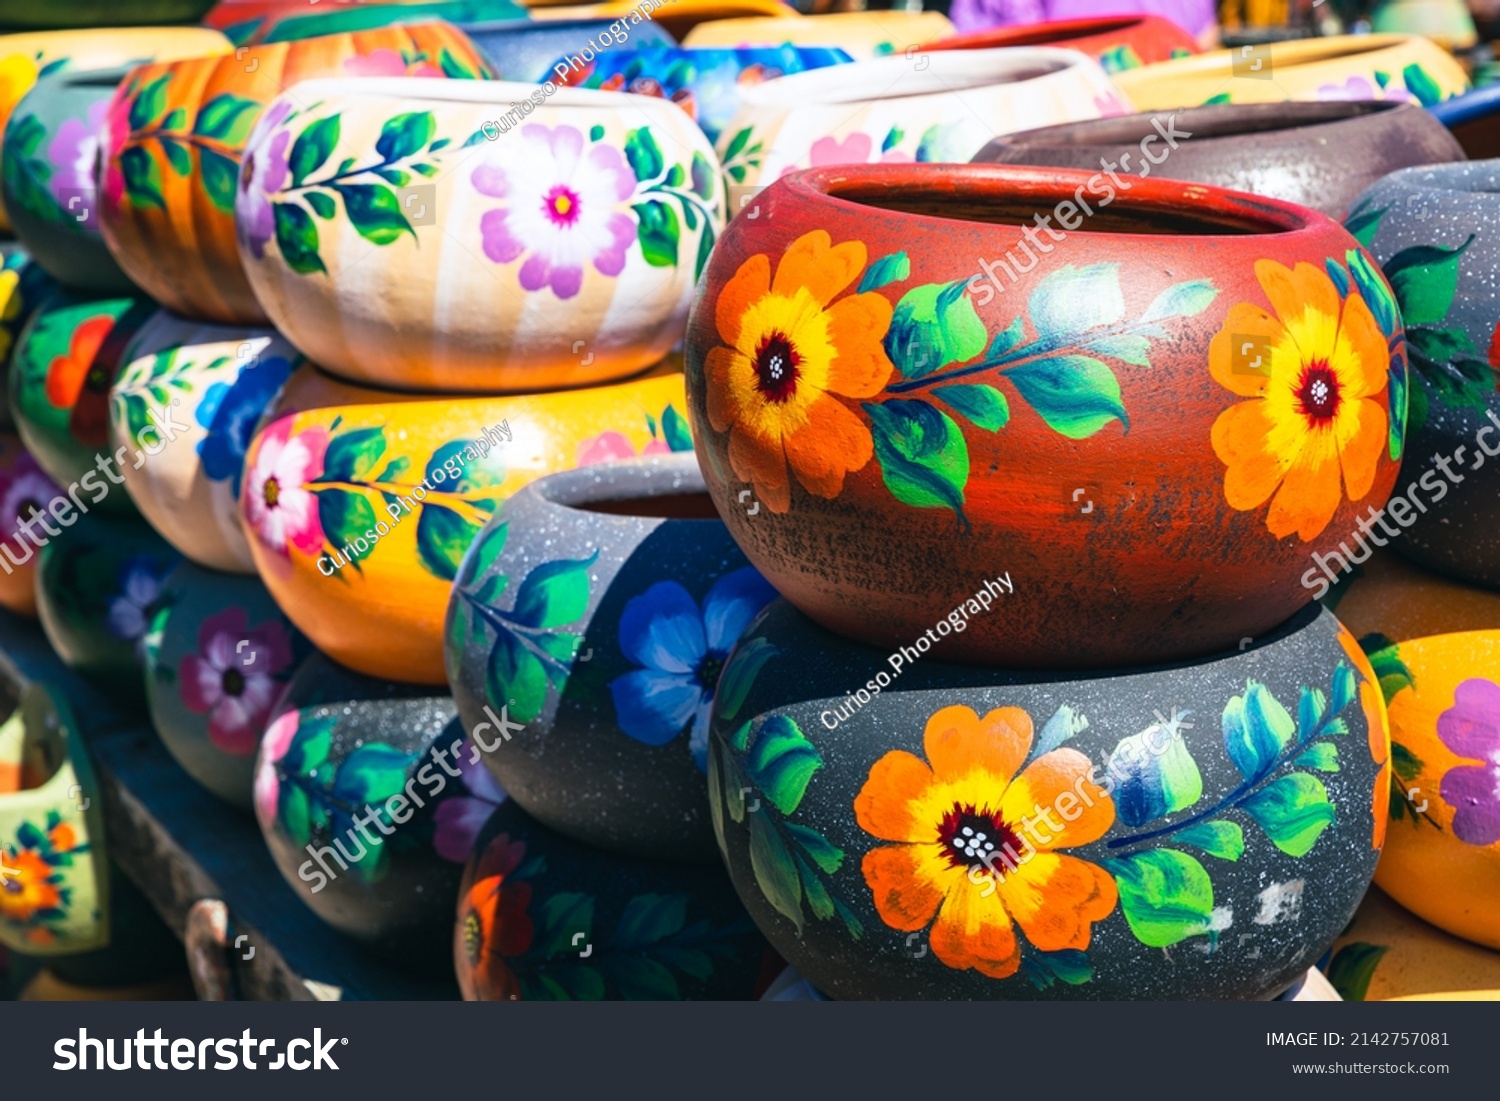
<point>787,348</point>
<point>1316,418</point>
<point>18,72</point>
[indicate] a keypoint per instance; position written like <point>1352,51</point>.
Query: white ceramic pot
<point>940,106</point>
<point>197,391</point>
<point>426,236</point>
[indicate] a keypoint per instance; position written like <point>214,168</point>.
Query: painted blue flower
<point>681,650</point>
<point>230,413</point>
<point>130,611</point>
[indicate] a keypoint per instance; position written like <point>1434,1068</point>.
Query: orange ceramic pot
<point>359,504</point>
<point>24,489</point>
<point>1391,597</point>
<point>172,146</point>
<point>1387,955</point>
<point>1442,852</point>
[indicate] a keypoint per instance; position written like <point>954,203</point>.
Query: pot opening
<point>674,506</point>
<point>1203,123</point>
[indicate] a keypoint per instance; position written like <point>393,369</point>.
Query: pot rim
<point>1471,106</point>
<point>647,478</point>
<point>1448,179</point>
<point>478,93</point>
<point>1054,32</point>
<point>1258,215</point>
<point>1298,53</point>
<point>1016,69</point>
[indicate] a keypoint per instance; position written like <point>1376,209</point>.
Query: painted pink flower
<point>1471,729</point>
<point>273,748</point>
<point>73,152</point>
<point>855,149</point>
<point>235,678</point>
<point>457,821</point>
<point>609,446</point>
<point>112,142</point>
<point>263,173</point>
<point>24,489</point>
<point>281,511</point>
<point>1110,104</point>
<point>387,62</point>
<point>564,208</point>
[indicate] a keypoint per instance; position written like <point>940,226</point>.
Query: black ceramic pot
<point>370,798</point>
<point>1320,155</point>
<point>586,632</point>
<point>1436,233</point>
<point>901,828</point>
<point>543,919</point>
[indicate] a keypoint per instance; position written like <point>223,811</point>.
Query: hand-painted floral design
<point>263,172</point>
<point>1377,726</point>
<point>672,435</point>
<point>789,352</point>
<point>1471,729</point>
<point>34,900</point>
<point>230,411</point>
<point>681,652</point>
<point>25,491</point>
<point>236,684</point>
<point>279,508</point>
<point>50,176</point>
<point>1313,428</point>
<point>386,62</point>
<point>853,148</point>
<point>273,747</point>
<point>493,925</point>
<point>74,152</point>
<point>68,374</point>
<point>130,611</point>
<point>965,803</point>
<point>458,819</point>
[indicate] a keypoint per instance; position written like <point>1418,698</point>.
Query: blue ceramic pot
<point>526,50</point>
<point>706,83</point>
<point>1474,118</point>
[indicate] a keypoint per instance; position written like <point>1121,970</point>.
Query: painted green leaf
<point>353,455</point>
<point>292,808</point>
<point>1068,965</point>
<point>142,177</point>
<point>404,135</point>
<point>781,762</point>
<point>1073,300</point>
<point>1221,97</point>
<point>1062,727</point>
<point>442,538</point>
<point>819,901</point>
<point>1006,340</point>
<point>923,457</point>
<point>934,325</point>
<point>1076,395</point>
<point>596,132</point>
<point>643,154</point>
<point>1219,837</point>
<point>775,871</point>
<point>1374,289</point>
<point>705,250</point>
<point>393,176</point>
<point>1407,765</point>
<point>1400,398</point>
<point>892,139</point>
<point>560,918</point>
<point>979,403</point>
<point>892,268</point>
<point>1159,774</point>
<point>676,175</point>
<point>1166,895</point>
<point>674,430</point>
<point>1425,278</point>
<point>1421,85</point>
<point>1256,729</point>
<point>1187,299</point>
<point>372,774</point>
<point>554,593</point>
<point>219,175</point>
<point>488,550</point>
<point>736,144</point>
<point>640,979</point>
<point>744,666</point>
<point>312,148</point>
<point>1130,347</point>
<point>648,919</point>
<point>474,476</point>
<point>1320,756</point>
<point>658,231</point>
<point>310,747</point>
<point>395,469</point>
<point>704,176</point>
<point>374,212</point>
<point>1339,276</point>
<point>227,119</point>
<point>297,238</point>
<point>579,982</point>
<point>516,675</point>
<point>345,516</point>
<point>1293,810</point>
<point>178,157</point>
<point>1352,967</point>
<point>149,103</point>
<point>821,851</point>
<point>321,204</point>
<point>1363,222</point>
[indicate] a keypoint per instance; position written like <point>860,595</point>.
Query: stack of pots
<point>1045,693</point>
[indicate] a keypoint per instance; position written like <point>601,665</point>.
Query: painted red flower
<point>493,925</point>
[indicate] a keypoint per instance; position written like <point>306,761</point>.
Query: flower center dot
<point>777,366</point>
<point>561,205</point>
<point>473,938</point>
<point>1319,392</point>
<point>709,670</point>
<point>272,491</point>
<point>233,682</point>
<point>974,838</point>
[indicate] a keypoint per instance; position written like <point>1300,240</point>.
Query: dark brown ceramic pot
<point>1319,155</point>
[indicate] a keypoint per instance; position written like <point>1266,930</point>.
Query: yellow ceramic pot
<point>1401,601</point>
<point>1442,850</point>
<point>1387,955</point>
<point>1352,67</point>
<point>25,57</point>
<point>359,504</point>
<point>559,247</point>
<point>195,392</point>
<point>862,34</point>
<point>676,17</point>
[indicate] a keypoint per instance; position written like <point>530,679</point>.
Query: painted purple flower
<point>73,153</point>
<point>564,208</point>
<point>263,173</point>
<point>236,678</point>
<point>1471,729</point>
<point>131,611</point>
<point>458,821</point>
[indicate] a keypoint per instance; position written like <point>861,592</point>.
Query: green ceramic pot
<point>218,657</point>
<point>65,362</point>
<point>43,15</point>
<point>99,586</point>
<point>23,285</point>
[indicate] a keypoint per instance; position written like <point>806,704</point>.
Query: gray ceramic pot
<point>901,828</point>
<point>586,632</point>
<point>1320,155</point>
<point>1436,234</point>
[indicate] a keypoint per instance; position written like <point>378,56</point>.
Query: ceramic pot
<point>933,831</point>
<point>359,504</point>
<point>678,18</point>
<point>67,358</point>
<point>971,435</point>
<point>1319,155</point>
<point>893,110</point>
<point>706,83</point>
<point>1117,42</point>
<point>46,14</point>
<point>172,147</point>
<point>1385,66</point>
<point>295,22</point>
<point>472,292</point>
<point>1434,232</point>
<point>525,51</point>
<point>218,657</point>
<point>1387,955</point>
<point>98,588</point>
<point>24,490</point>
<point>23,286</point>
<point>607,682</point>
<point>1442,855</point>
<point>25,57</point>
<point>861,34</point>
<point>1474,118</point>
<point>1446,22</point>
<point>1389,596</point>
<point>51,832</point>
<point>210,384</point>
<point>653,930</point>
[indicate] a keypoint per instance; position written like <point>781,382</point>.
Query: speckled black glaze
<point>570,763</point>
<point>1458,532</point>
<point>1270,915</point>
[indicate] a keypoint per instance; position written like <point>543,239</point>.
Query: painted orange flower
<point>1377,725</point>
<point>1317,378</point>
<point>493,924</point>
<point>67,374</point>
<point>965,810</point>
<point>31,889</point>
<point>788,349</point>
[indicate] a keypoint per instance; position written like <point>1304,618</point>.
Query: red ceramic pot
<point>1117,42</point>
<point>1118,444</point>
